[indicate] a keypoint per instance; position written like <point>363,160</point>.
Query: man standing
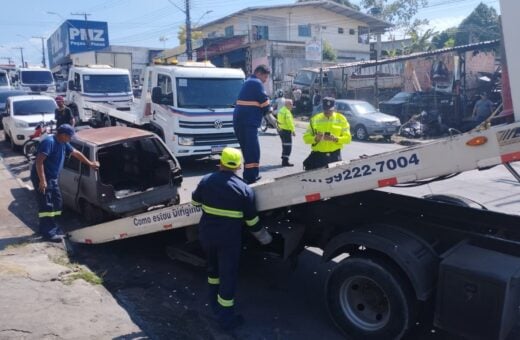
<point>483,109</point>
<point>63,115</point>
<point>328,131</point>
<point>252,105</point>
<point>226,203</point>
<point>286,131</point>
<point>44,177</point>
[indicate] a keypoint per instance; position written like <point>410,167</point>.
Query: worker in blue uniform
<point>227,202</point>
<point>251,106</point>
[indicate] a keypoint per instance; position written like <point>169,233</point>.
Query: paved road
<point>166,298</point>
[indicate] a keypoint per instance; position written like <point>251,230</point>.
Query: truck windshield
<point>304,78</point>
<point>37,77</point>
<point>207,92</point>
<point>107,83</point>
<point>32,107</point>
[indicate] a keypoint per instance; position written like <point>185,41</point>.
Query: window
<point>228,31</point>
<point>340,30</point>
<point>164,82</point>
<point>72,163</point>
<point>351,31</point>
<point>77,81</point>
<point>260,32</point>
<point>363,35</point>
<point>304,30</point>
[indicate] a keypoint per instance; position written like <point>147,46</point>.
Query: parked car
<point>406,104</point>
<point>137,173</point>
<point>365,120</point>
<point>23,114</point>
<point>4,94</point>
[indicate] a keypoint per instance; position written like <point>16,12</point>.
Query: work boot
<point>285,162</point>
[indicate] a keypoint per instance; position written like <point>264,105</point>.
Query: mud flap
<point>291,234</point>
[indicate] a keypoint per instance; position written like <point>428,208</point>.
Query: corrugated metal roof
<point>374,23</point>
<point>108,135</point>
<point>462,48</point>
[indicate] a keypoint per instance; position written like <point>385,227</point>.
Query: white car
<point>23,114</point>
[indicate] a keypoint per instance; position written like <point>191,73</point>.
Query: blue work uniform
<point>226,203</point>
<point>50,202</point>
<point>251,106</point>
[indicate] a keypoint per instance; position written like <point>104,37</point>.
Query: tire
<point>91,214</point>
<point>369,299</point>
<point>7,139</point>
<point>263,125</point>
<point>30,148</point>
<point>455,200</point>
<point>360,133</point>
<point>107,121</point>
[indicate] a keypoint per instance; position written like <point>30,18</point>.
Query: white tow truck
<point>405,254</point>
<point>189,105</point>
<point>97,84</point>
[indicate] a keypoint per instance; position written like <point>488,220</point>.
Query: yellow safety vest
<point>285,119</point>
<point>337,125</point>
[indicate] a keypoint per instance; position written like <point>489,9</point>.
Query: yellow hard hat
<point>231,158</point>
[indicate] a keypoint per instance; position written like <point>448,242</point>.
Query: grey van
<point>137,173</point>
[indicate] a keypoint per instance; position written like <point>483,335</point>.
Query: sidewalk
<point>42,294</point>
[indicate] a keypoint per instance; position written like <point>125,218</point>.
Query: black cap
<point>328,103</point>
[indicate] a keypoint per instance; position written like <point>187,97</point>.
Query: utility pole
<point>189,52</point>
<point>43,50</point>
<point>21,54</point>
<point>85,15</point>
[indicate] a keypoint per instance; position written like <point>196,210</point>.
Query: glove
<point>263,236</point>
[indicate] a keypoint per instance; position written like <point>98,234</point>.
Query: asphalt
<point>43,294</point>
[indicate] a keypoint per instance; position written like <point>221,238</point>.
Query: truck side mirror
<point>156,95</point>
<point>71,85</point>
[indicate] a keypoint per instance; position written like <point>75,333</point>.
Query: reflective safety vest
<point>336,125</point>
<point>285,119</point>
<point>252,103</point>
<point>227,200</point>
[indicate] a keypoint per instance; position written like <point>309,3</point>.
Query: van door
<point>75,177</point>
<point>161,104</point>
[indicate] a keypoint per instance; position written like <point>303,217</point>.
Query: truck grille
<point>203,125</point>
<point>212,139</point>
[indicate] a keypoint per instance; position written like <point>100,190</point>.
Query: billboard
<point>74,36</point>
<point>313,50</point>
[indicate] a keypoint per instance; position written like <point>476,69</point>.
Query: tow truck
<point>403,254</point>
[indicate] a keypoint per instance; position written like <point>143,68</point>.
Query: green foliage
<point>445,38</point>
<point>398,12</point>
<point>181,35</point>
<point>480,25</point>
<point>328,52</point>
<point>421,42</point>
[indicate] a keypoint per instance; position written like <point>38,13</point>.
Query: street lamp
<point>202,16</point>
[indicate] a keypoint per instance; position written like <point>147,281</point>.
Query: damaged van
<point>137,173</point>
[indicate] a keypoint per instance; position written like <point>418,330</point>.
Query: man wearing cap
<point>63,115</point>
<point>327,132</point>
<point>252,104</point>
<point>227,202</point>
<point>44,177</point>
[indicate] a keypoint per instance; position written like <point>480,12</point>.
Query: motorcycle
<point>42,130</point>
<point>427,124</point>
<point>268,122</point>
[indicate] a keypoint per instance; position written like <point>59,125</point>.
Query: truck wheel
<point>361,133</point>
<point>455,200</point>
<point>107,121</point>
<point>368,298</point>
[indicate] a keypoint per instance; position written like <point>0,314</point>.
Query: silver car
<point>365,120</point>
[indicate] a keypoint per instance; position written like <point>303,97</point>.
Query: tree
<point>181,35</point>
<point>445,38</point>
<point>398,12</point>
<point>421,42</point>
<point>480,25</point>
<point>328,52</point>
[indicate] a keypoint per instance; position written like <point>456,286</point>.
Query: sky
<point>154,23</point>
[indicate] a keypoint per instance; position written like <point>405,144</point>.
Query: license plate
<point>217,148</point>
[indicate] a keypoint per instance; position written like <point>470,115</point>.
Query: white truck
<point>189,105</point>
<point>438,254</point>
<point>113,59</point>
<point>98,84</point>
<point>36,80</point>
